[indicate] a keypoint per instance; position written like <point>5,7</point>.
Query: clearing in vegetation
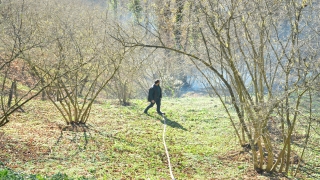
<point>121,142</point>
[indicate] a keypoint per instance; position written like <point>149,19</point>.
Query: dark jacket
<point>155,93</point>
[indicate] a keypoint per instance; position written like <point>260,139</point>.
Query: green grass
<point>123,143</point>
<point>8,174</point>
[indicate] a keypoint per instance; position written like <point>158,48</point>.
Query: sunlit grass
<point>120,142</point>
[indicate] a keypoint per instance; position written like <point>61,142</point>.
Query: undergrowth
<point>121,142</point>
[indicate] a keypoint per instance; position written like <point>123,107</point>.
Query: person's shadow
<point>172,124</point>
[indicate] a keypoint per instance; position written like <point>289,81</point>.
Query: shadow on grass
<point>309,169</point>
<point>83,131</point>
<point>171,123</point>
<point>75,128</point>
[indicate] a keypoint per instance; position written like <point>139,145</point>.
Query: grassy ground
<point>123,143</point>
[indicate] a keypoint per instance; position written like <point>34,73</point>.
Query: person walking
<point>154,97</point>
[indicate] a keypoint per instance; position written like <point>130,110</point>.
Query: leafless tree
<point>18,36</point>
<point>265,54</point>
<point>64,48</point>
<point>81,60</point>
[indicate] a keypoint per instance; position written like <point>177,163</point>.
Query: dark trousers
<point>158,102</point>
